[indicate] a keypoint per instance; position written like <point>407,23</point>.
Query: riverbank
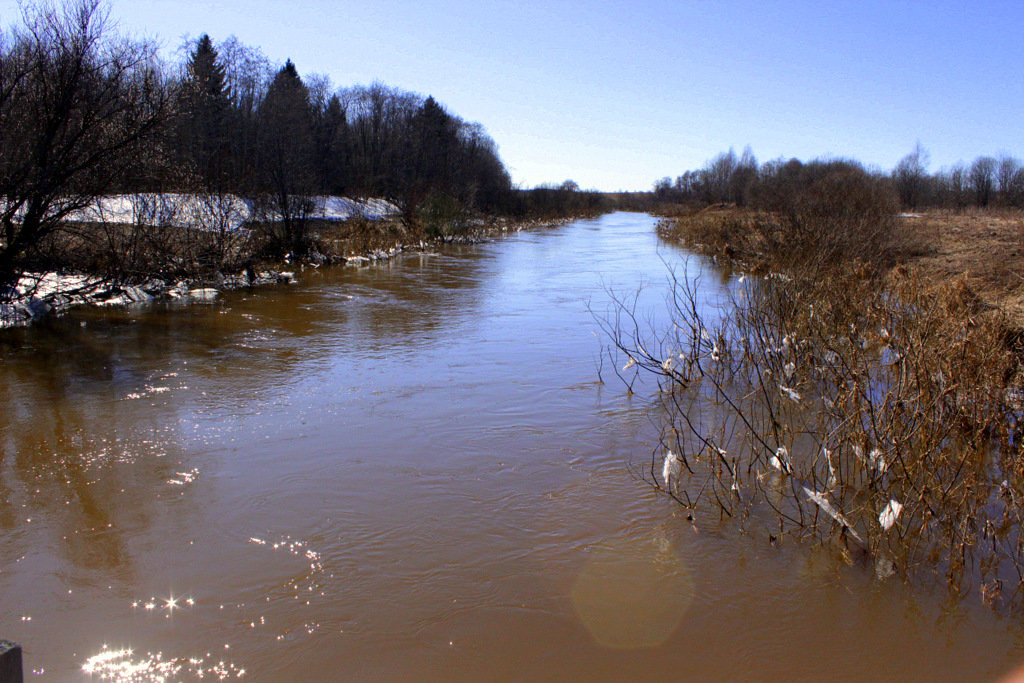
<point>874,363</point>
<point>354,242</point>
<point>985,248</point>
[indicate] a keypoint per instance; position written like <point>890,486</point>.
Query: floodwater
<point>408,471</point>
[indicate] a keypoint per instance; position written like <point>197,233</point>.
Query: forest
<point>86,112</point>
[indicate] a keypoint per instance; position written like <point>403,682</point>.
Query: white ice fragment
<point>877,462</point>
<point>780,460</point>
<point>203,294</point>
<point>884,567</point>
<point>888,516</point>
<point>671,470</point>
<point>789,369</point>
<point>791,394</point>
<point>821,501</point>
<point>832,479</point>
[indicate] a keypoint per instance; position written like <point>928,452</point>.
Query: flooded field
<point>408,471</point>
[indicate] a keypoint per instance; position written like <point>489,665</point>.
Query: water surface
<point>407,471</point>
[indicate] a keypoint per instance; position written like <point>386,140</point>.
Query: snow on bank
<point>212,212</point>
<point>217,212</point>
<point>343,208</point>
<point>37,294</point>
<point>205,212</point>
<point>49,284</point>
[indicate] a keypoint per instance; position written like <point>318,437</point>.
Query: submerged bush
<point>874,413</point>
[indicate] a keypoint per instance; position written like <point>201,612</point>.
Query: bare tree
<point>982,179</point>
<point>911,176</point>
<point>717,176</point>
<point>247,75</point>
<point>952,186</point>
<point>1008,177</point>
<point>743,177</point>
<point>78,110</point>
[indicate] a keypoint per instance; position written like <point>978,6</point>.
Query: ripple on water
<point>457,487</point>
<point>303,589</point>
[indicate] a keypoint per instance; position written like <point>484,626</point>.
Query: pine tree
<point>332,142</point>
<point>437,145</point>
<point>205,116</point>
<point>286,152</point>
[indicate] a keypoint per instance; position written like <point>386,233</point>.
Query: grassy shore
<point>984,248</point>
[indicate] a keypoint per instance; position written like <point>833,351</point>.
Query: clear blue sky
<point>618,94</point>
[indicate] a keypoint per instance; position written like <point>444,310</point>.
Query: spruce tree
<point>331,139</point>
<point>205,116</point>
<point>286,151</point>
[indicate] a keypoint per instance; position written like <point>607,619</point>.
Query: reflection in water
<point>402,471</point>
<point>633,594</point>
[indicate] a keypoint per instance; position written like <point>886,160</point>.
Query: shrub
<point>828,212</point>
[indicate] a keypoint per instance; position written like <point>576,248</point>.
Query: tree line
<point>739,179</point>
<point>244,127</point>
<point>85,112</point>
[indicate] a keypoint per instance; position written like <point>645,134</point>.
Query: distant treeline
<point>86,112</point>
<point>741,180</point>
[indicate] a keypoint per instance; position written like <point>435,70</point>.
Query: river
<point>408,471</point>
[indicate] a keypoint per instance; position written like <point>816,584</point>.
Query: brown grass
<point>986,247</point>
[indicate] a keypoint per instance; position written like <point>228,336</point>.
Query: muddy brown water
<point>408,471</point>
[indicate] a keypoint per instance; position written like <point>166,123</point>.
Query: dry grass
<point>987,247</point>
<point>875,416</point>
<point>722,231</point>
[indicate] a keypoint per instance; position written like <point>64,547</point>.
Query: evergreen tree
<point>286,152</point>
<point>331,140</point>
<point>204,130</point>
<point>426,171</point>
<point>436,145</point>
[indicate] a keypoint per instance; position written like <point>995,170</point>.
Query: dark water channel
<point>407,471</point>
